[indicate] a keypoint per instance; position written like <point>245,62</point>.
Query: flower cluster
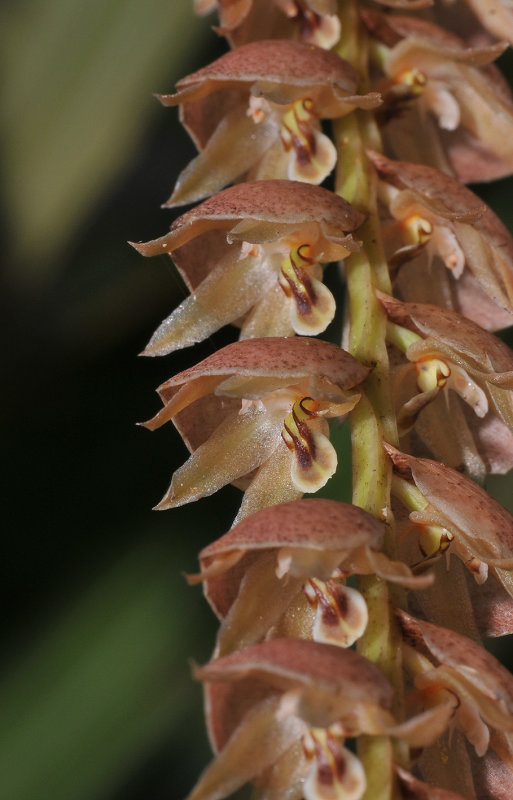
<point>347,665</point>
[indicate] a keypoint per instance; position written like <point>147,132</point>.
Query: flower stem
<point>373,418</point>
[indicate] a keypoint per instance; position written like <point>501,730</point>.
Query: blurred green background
<point>95,693</point>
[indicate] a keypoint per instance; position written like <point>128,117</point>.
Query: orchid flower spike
<point>254,252</point>
<point>259,404</point>
<point>256,112</point>
<point>296,555</point>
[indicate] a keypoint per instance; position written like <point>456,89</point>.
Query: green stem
<point>373,418</point>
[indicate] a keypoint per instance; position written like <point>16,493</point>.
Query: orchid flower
<point>278,714</point>
<point>448,351</point>
<point>255,112</point>
<point>441,661</point>
<point>296,555</point>
<point>436,213</point>
<point>454,514</point>
<point>312,21</point>
<point>259,404</point>
<point>254,251</point>
<point>442,76</point>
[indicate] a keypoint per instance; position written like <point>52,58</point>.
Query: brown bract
<point>276,207</point>
<point>285,664</point>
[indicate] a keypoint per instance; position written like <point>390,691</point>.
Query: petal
<point>289,664</point>
<point>226,294</point>
<point>261,601</point>
<point>241,443</point>
<point>272,484</point>
<point>236,144</point>
<point>255,745</point>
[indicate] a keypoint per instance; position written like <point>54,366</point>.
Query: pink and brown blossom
<point>256,412</point>
<point>449,351</point>
<point>454,514</point>
<point>443,661</point>
<point>256,112</point>
<point>439,217</point>
<point>281,572</point>
<point>441,79</point>
<point>254,252</point>
<point>302,699</point>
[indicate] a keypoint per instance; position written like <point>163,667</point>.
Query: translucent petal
<point>226,294</point>
<point>255,745</point>
<point>270,317</point>
<point>272,484</point>
<point>241,443</point>
<point>261,601</point>
<point>236,144</point>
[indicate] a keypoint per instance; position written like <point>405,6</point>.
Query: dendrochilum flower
<point>254,251</point>
<point>454,514</point>
<point>434,72</point>
<point>436,214</point>
<point>442,661</point>
<point>281,572</point>
<point>259,404</point>
<point>256,112</point>
<point>449,351</point>
<point>312,21</point>
<point>279,712</point>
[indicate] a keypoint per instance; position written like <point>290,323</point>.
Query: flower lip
<point>287,203</point>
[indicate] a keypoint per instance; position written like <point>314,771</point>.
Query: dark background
<point>95,692</point>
